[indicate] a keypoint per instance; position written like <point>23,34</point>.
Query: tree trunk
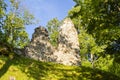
<point>92,60</point>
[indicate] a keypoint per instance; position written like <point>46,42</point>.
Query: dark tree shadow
<point>42,70</point>
<point>86,73</point>
<point>32,68</point>
<point>6,66</point>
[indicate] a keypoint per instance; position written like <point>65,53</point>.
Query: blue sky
<point>45,10</point>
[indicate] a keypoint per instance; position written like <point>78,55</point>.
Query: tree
<point>99,20</point>
<point>2,14</point>
<point>13,19</point>
<point>53,30</point>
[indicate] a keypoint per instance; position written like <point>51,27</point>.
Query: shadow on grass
<point>95,74</point>
<point>51,71</point>
<point>5,67</point>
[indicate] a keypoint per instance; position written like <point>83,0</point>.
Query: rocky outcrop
<point>67,52</point>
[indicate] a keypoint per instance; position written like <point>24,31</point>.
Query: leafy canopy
<point>12,25</point>
<point>53,30</point>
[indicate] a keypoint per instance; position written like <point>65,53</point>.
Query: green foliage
<point>115,68</point>
<point>104,63</point>
<point>105,22</point>
<point>53,30</point>
<point>54,38</point>
<point>99,18</point>
<point>2,14</point>
<point>86,62</point>
<point>98,26</point>
<point>2,9</point>
<point>12,30</point>
<point>108,64</point>
<point>88,44</point>
<point>74,10</point>
<point>92,18</point>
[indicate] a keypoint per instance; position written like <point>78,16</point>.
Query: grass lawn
<point>22,68</point>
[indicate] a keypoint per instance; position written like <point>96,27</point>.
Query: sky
<point>45,10</point>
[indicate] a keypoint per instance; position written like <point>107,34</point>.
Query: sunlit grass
<point>22,68</point>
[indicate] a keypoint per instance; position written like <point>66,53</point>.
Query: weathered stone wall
<point>68,49</point>
<point>40,47</point>
<point>67,52</point>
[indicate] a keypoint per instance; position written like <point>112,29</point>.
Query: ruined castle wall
<point>67,52</point>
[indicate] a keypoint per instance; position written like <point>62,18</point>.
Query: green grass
<point>27,69</point>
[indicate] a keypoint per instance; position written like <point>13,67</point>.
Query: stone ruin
<point>66,53</point>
